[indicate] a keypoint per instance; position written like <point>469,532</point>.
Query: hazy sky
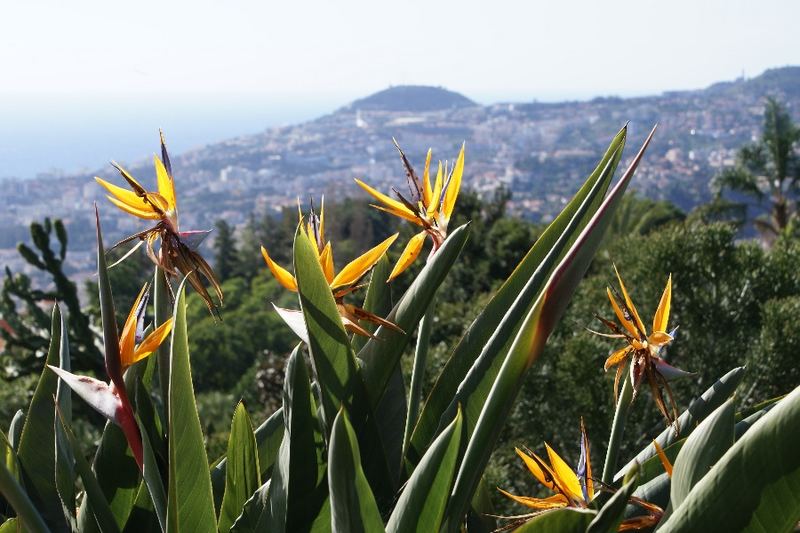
<point>326,51</point>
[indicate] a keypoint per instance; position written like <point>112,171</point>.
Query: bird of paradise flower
<point>178,250</point>
<point>643,349</point>
<point>429,206</point>
<point>571,488</point>
<point>341,284</point>
<point>111,399</point>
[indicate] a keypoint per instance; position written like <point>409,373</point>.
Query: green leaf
<point>391,409</point>
<point>10,526</point>
<point>381,355</point>
<point>106,521</point>
<point>611,514</point>
<point>353,506</point>
<point>36,453</point>
<point>27,515</point>
<point>703,448</point>
<point>152,479</point>
<point>333,358</point>
<point>500,309</point>
<point>162,293</point>
<point>269,436</point>
<point>190,504</point>
<point>700,408</point>
<point>488,413</point>
<point>15,429</point>
<point>242,476</point>
<point>254,517</point>
<point>297,492</point>
<point>65,471</point>
<point>424,498</point>
<point>566,519</point>
<point>755,486</point>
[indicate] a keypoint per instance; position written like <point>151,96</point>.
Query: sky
<point>241,66</point>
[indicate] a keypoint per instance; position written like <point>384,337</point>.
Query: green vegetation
<point>309,436</point>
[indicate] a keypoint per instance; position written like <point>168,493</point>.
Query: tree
<point>224,250</point>
<point>768,169</point>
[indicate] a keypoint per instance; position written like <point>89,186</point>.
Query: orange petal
<point>281,274</point>
<point>152,342</point>
<point>661,317</point>
<point>629,302</point>
<point>139,213</point>
<point>663,458</point>
<point>166,187</point>
<point>124,195</point>
<point>409,255</point>
<point>565,477</point>
<point>359,266</point>
<point>401,214</point>
<point>127,338</point>
<point>620,315</point>
<point>555,501</point>
<point>387,201</point>
<point>659,338</point>
<point>427,193</point>
<point>616,357</point>
<point>453,185</point>
<point>539,469</point>
<point>326,260</point>
<point>433,206</point>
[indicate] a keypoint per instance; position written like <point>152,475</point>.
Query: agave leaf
<point>380,356</point>
<point>703,448</point>
<point>190,503</point>
<point>499,307</point>
<point>755,486</point>
<point>36,453</point>
<point>353,506</point>
<point>488,413</point>
<point>242,476</point>
<point>424,498</point>
<point>697,411</point>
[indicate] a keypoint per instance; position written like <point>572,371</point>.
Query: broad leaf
<point>253,516</point>
<point>190,504</point>
<point>489,415</point>
<point>296,492</point>
<point>700,408</point>
<point>424,498</point>
<point>381,355</point>
<point>703,448</point>
<point>242,476</point>
<point>353,506</point>
<point>566,519</point>
<point>65,471</point>
<point>36,453</point>
<point>611,514</point>
<point>331,354</point>
<point>499,309</point>
<point>152,479</point>
<point>269,436</point>
<point>28,516</point>
<point>755,486</point>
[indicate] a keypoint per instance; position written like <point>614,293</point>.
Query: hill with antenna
<point>414,98</point>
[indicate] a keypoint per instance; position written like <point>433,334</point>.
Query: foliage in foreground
<point>343,454</point>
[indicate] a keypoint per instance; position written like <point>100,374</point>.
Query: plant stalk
<point>418,372</point>
<point>617,428</point>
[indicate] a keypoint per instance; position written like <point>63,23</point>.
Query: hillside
<point>541,151</point>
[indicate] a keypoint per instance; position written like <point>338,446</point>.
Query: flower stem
<point>161,305</point>
<point>418,373</point>
<point>617,428</point>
